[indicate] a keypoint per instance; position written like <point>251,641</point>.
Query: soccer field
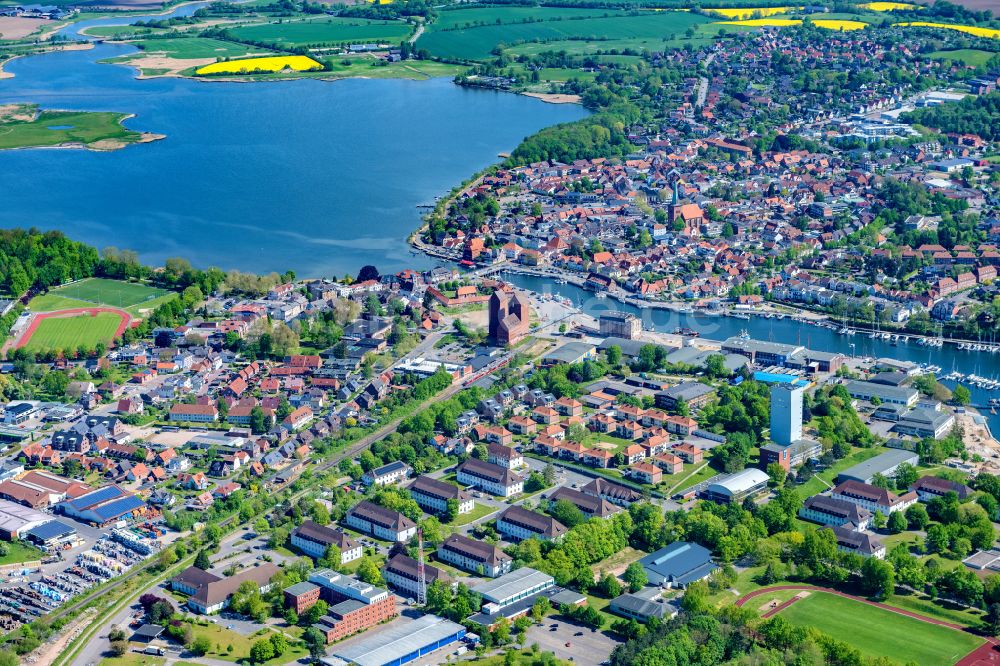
<point>106,292</point>
<point>880,633</point>
<point>69,333</point>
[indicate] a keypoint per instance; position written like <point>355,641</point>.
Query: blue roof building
<point>102,506</point>
<point>678,565</point>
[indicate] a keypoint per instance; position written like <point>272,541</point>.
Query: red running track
<point>36,319</point>
<point>984,655</point>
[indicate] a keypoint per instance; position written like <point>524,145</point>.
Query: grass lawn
<point>196,47</point>
<point>222,638</point>
<point>936,608</point>
<point>692,475</point>
<point>973,57</point>
<point>114,293</point>
<point>133,659</point>
<point>599,604</point>
<point>593,438</point>
<point>20,552</point>
<point>524,657</point>
<point>326,31</point>
<point>638,32</point>
<point>620,559</point>
<point>478,511</point>
<point>54,128</point>
<point>71,332</point>
<point>879,633</point>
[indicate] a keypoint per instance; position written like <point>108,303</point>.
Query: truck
<point>154,650</point>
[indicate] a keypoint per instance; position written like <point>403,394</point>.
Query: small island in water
<point>27,126</point>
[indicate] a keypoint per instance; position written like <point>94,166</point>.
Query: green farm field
<point>880,633</point>
<point>196,47</point>
<point>639,32</point>
<point>451,19</point>
<point>102,291</point>
<point>325,31</point>
<point>73,332</point>
<point>973,57</point>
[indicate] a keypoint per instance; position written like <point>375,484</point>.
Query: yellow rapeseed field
<point>747,12</point>
<point>829,24</point>
<point>838,24</point>
<point>268,64</point>
<point>889,6</point>
<point>970,29</point>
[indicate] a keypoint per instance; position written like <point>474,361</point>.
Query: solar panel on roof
<point>118,508</point>
<point>50,530</point>
<point>96,497</point>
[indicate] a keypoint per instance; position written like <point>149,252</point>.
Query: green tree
<point>315,642</point>
<point>897,522</point>
<point>878,578</point>
<point>635,576</point>
<point>961,395</point>
<point>261,651</point>
<point>201,560</point>
<point>201,645</point>
<point>368,571</point>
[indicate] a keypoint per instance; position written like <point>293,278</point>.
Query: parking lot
<point>586,647</point>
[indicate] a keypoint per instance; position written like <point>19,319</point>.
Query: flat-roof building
<point>513,586</point>
<point>399,643</point>
<point>620,324</point>
<point>893,395</point>
<point>16,520</point>
<point>884,464</point>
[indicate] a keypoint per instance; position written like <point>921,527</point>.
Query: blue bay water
<point>317,176</point>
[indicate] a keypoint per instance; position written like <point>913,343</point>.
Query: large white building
<point>492,478</point>
<point>475,556</point>
<point>433,495</point>
<point>315,540</point>
<point>873,498</point>
<point>835,512</point>
<point>387,475</point>
<point>786,413</point>
<point>517,524</point>
<point>381,522</point>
